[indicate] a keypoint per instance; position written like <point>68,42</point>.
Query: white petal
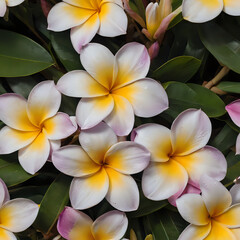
<point>113,20</point>
<point>216,197</point>
<point>121,119</point>
<point>147,97</point>
<point>97,140</point>
<point>4,194</point>
<point>18,214</point>
<point>111,225</point>
<point>91,111</point>
<point>88,191</point>
<point>208,160</point>
<point>3,8</point>
<point>64,16</point>
<point>98,62</point>
<point>199,11</point>
<point>123,192</point>
<point>13,112</point>
<point>232,7</point>
<point>12,3</point>
<point>79,83</point>
<point>238,144</point>
<point>190,131</point>
<point>235,193</point>
<point>43,102</point>
<point>34,156</point>
<point>156,138</point>
<point>58,127</point>
<point>83,34</point>
<point>88,4</point>
<point>192,208</point>
<point>133,63</point>
<point>127,157</point>
<point>12,140</point>
<point>6,235</point>
<point>162,180</point>
<point>73,160</point>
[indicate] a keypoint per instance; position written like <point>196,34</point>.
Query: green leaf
<point>231,87</point>
<point>223,46</point>
<point>21,56</point>
<point>11,172</point>
<point>180,69</point>
<point>183,96</point>
<point>166,225</point>
<point>65,51</point>
<point>55,199</point>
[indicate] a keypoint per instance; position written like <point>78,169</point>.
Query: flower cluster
<point>99,147</point>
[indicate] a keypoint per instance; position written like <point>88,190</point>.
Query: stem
<point>224,71</point>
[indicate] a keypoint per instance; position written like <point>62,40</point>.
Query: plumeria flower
<point>114,88</point>
<point>86,18</point>
<point>179,156</point>
<point>8,3</point>
<point>34,127</point>
<point>233,110</point>
<point>16,215</point>
<point>212,215</point>
<point>101,167</point>
<point>75,225</point>
<point>199,11</point>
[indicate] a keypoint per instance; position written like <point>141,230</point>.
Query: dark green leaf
<point>21,56</point>
<point>223,46</point>
<point>232,87</point>
<point>56,197</point>
<point>179,69</point>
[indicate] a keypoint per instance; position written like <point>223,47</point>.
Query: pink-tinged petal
<point>147,97</point>
<point>195,232</point>
<point>238,144</point>
<point>43,102</point>
<point>219,232</point>
<point>121,119</point>
<point>199,11</point>
<point>231,217</point>
<point>113,20</point>
<point>127,157</point>
<point>133,63</point>
<point>88,191</point>
<point>235,193</point>
<point>232,7</point>
<point>73,160</point>
<point>91,111</point>
<point>83,34</point>
<point>156,138</point>
<point>123,192</point>
<point>13,112</point>
<point>12,140</point>
<point>13,3</point>
<point>99,63</point>
<point>54,146</point>
<point>97,140</point>
<point>188,189</point>
<point>216,197</point>
<point>193,210</point>
<point>69,218</point>
<point>18,214</point>
<point>64,16</point>
<point>3,8</point>
<point>34,156</point>
<point>111,225</point>
<point>4,194</point>
<point>236,233</point>
<point>190,131</point>
<point>208,160</point>
<point>162,180</point>
<point>58,127</point>
<point>6,235</point>
<point>233,110</point>
<point>79,83</point>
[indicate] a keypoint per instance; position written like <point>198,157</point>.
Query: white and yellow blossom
<point>8,3</point>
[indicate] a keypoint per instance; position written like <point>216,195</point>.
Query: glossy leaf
<point>53,202</point>
<point>231,87</point>
<point>180,69</point>
<point>21,56</point>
